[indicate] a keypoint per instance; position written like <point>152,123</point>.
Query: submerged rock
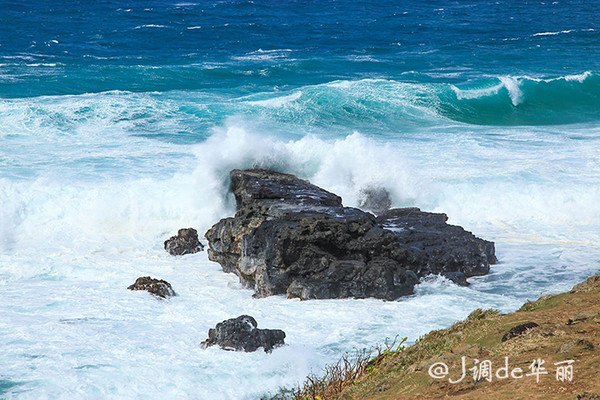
<point>186,242</point>
<point>157,287</point>
<point>291,237</point>
<point>242,334</point>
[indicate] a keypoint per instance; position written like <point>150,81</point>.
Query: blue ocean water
<point>119,122</point>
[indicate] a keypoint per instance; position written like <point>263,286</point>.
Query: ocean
<point>120,121</point>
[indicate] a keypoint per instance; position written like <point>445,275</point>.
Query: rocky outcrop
<point>242,334</point>
<point>186,242</point>
<point>291,237</point>
<point>157,287</point>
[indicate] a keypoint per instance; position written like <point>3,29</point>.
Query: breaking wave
<point>499,101</point>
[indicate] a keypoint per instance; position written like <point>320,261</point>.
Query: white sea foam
<point>563,32</point>
<point>514,90</point>
<point>511,84</point>
<point>277,101</point>
<point>362,58</point>
<point>264,55</point>
<point>578,77</point>
<point>81,226</point>
<point>43,65</point>
<point>109,214</point>
<point>150,26</point>
<point>569,78</point>
<point>546,34</point>
<point>553,33</point>
<point>476,93</point>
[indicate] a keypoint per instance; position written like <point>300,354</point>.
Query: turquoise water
<point>119,123</point>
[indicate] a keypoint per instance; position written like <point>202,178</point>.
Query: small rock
<point>519,330</point>
<point>186,242</point>
<point>242,334</point>
<point>377,200</point>
<point>157,287</point>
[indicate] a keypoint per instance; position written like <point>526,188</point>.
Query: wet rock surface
<point>291,237</point>
<point>242,334</point>
<point>157,287</point>
<point>186,242</point>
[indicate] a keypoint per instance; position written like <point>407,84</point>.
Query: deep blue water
<point>249,46</point>
<point>235,48</point>
<point>120,121</point>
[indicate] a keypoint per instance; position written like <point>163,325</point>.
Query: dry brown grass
<point>569,328</point>
<point>341,375</point>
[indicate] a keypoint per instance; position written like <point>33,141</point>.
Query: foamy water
<point>119,124</point>
<point>86,214</point>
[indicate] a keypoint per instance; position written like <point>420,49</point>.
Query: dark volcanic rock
<point>157,287</point>
<point>291,237</point>
<point>186,242</point>
<point>518,330</point>
<point>255,185</point>
<point>442,247</point>
<point>242,334</point>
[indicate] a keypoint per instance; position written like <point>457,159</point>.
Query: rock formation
<point>291,237</point>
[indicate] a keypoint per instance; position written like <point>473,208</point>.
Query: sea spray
<point>112,138</point>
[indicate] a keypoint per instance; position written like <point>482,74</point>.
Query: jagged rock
<point>518,330</point>
<point>291,237</point>
<point>186,242</point>
<point>242,334</point>
<point>157,287</point>
<point>377,200</point>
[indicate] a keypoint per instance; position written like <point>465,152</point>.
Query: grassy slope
<point>569,328</point>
